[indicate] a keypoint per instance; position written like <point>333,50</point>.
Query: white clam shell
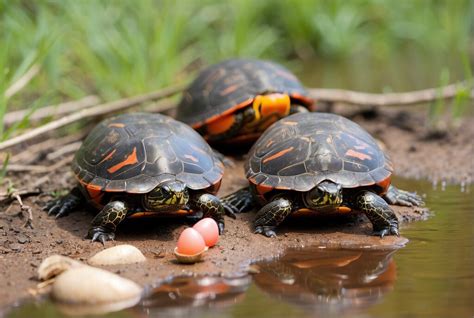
<point>120,254</point>
<point>90,290</point>
<point>55,265</point>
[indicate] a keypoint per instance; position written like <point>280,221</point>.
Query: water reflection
<point>327,280</point>
<point>184,296</point>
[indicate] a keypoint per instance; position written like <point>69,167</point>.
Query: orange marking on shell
<point>117,125</point>
<point>356,154</point>
<point>220,125</point>
<point>262,188</point>
<point>278,154</point>
<point>130,160</point>
<point>384,184</point>
<point>95,192</point>
<point>229,90</point>
<point>192,158</point>
<point>306,101</point>
<point>227,112</point>
<point>269,143</point>
<point>108,156</point>
<point>275,104</point>
<point>213,189</point>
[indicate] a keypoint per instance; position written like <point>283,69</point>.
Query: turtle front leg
<point>105,223</point>
<point>239,201</point>
<point>401,197</point>
<point>210,206</point>
<point>383,218</point>
<point>271,215</point>
<point>66,204</point>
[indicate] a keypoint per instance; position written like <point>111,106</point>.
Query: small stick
<point>33,151</point>
<point>27,208</point>
<point>390,99</point>
<point>39,168</point>
<point>91,112</point>
<point>52,110</point>
<point>66,149</point>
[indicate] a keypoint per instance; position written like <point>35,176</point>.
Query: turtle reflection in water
<point>184,295</point>
<point>328,280</point>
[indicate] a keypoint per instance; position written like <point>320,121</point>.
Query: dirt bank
<point>23,248</point>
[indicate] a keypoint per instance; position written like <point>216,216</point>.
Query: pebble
<point>88,290</point>
<point>22,239</point>
<point>120,254</point>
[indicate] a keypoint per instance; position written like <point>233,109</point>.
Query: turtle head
<point>168,195</point>
<point>326,194</point>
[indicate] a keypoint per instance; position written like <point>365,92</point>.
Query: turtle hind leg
<point>104,224</point>
<point>210,206</point>
<point>271,215</point>
<point>401,197</point>
<point>383,218</point>
<point>66,204</point>
<point>239,201</point>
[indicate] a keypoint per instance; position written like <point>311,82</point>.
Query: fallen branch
<point>52,111</point>
<point>39,168</point>
<point>389,99</point>
<point>91,112</point>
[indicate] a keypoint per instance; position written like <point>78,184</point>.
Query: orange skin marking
<point>356,154</point>
<point>117,125</point>
<point>343,209</point>
<point>161,214</point>
<point>274,104</point>
<point>130,160</point>
<point>192,158</point>
<point>278,154</point>
<point>108,156</point>
<point>220,125</point>
<point>384,184</point>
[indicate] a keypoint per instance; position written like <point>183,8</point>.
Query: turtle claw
<point>265,230</point>
<point>229,212</point>
<point>99,234</point>
<point>403,198</point>
<point>221,227</point>
<point>390,230</point>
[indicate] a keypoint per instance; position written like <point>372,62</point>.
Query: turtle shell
<point>301,150</point>
<point>225,87</point>
<point>135,152</point>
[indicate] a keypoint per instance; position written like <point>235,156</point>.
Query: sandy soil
<point>22,249</point>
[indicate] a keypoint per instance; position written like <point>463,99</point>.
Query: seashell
<point>89,290</point>
<point>189,259</point>
<point>56,264</point>
<point>209,231</point>
<point>120,254</point>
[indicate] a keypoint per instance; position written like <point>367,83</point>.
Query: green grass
<point>126,47</point>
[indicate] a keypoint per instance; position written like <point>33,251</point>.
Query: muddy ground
<point>415,153</point>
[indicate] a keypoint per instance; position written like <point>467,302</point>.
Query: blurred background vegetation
<point>121,48</point>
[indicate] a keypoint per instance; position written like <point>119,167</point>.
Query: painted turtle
<point>236,100</point>
<point>142,164</point>
<point>319,162</point>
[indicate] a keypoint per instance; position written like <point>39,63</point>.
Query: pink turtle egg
<point>209,231</point>
<point>190,242</point>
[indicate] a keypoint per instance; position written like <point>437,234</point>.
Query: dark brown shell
<point>135,152</point>
<point>300,151</point>
<point>234,83</point>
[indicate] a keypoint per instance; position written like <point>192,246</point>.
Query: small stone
<point>22,239</point>
<point>120,254</point>
<point>15,247</point>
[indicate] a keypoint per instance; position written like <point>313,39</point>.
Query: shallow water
<point>432,276</point>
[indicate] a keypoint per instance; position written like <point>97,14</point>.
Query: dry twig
<point>91,112</point>
<point>390,99</point>
<point>52,110</point>
<point>39,168</point>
